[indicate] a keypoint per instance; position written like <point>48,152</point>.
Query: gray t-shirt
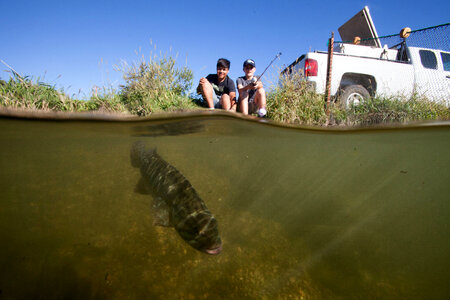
<point>242,81</point>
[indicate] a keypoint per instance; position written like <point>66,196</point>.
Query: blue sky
<point>75,44</point>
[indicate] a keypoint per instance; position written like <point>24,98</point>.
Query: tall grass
<point>106,100</point>
<point>24,93</point>
<point>152,85</point>
<point>155,85</point>
<point>293,102</point>
<point>380,110</point>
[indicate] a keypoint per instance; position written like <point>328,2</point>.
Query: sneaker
<point>262,112</point>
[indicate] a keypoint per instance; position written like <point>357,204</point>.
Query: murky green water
<point>302,213</point>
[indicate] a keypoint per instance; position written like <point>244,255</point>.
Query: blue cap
<point>249,62</point>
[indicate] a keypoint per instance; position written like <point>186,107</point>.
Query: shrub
<point>155,85</point>
<point>292,102</point>
<point>108,100</point>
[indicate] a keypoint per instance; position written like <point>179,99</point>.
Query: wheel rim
<point>355,99</point>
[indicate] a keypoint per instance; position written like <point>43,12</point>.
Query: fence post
<point>329,71</point>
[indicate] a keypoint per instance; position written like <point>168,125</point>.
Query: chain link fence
<point>436,37</point>
<point>429,75</point>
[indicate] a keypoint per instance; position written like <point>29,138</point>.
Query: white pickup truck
<point>360,71</point>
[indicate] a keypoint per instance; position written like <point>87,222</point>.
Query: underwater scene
<point>214,206</point>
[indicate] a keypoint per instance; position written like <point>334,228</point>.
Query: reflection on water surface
<point>172,129</point>
<point>302,213</point>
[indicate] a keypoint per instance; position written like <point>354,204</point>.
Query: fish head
<point>201,231</point>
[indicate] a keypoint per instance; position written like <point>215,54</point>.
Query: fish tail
<point>137,152</point>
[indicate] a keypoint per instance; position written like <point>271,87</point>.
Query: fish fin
<point>141,187</point>
<point>161,213</point>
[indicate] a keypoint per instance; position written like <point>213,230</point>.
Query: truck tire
<point>353,94</point>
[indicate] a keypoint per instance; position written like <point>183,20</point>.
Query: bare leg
<point>260,98</point>
<point>207,92</point>
<point>225,101</point>
<point>233,105</point>
<point>243,105</point>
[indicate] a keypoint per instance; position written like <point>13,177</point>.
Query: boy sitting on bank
<point>218,90</point>
<point>252,96</point>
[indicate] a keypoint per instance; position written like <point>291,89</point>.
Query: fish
<point>176,202</point>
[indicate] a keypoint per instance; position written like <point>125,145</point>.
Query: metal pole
<point>329,71</point>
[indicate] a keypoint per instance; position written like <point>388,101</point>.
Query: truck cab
<point>431,73</point>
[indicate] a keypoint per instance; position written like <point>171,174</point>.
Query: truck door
<point>445,57</point>
<point>431,80</point>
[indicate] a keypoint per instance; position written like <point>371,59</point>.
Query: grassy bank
<point>158,85</point>
<point>24,93</point>
<point>153,85</point>
<point>292,102</point>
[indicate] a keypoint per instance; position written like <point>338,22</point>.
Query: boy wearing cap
<point>218,90</point>
<point>252,96</point>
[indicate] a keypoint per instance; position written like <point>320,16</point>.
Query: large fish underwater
<point>176,202</point>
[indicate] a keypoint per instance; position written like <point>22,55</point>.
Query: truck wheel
<point>353,94</point>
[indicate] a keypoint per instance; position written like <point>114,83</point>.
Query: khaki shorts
<point>216,100</point>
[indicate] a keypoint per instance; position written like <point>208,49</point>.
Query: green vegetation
<point>23,93</point>
<point>158,85</point>
<point>150,86</point>
<point>293,103</point>
<point>390,110</point>
<point>155,86</point>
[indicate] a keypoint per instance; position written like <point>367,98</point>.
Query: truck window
<point>446,60</point>
<point>428,59</point>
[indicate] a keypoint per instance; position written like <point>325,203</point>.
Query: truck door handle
<point>448,77</point>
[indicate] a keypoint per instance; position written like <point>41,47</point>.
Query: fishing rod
<point>277,56</point>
